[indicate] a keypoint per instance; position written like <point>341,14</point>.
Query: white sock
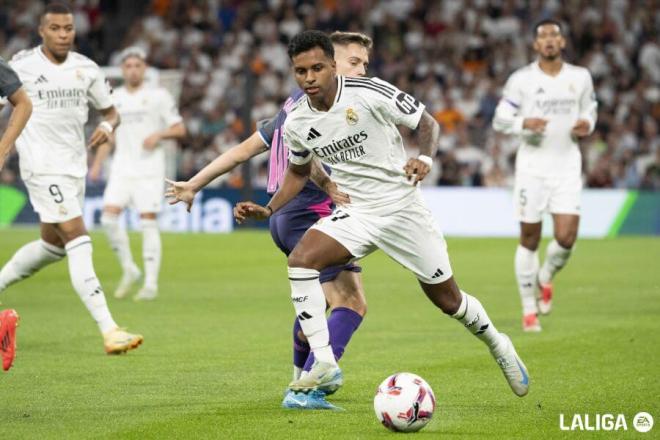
<point>118,239</point>
<point>527,267</point>
<point>151,252</point>
<point>555,258</point>
<point>473,315</point>
<point>297,371</point>
<point>309,302</point>
<point>85,282</point>
<point>28,260</point>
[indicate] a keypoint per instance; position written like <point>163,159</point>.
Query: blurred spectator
<point>452,55</point>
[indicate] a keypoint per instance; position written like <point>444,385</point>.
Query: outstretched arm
<point>185,191</point>
<point>294,181</point>
<point>428,133</point>
<point>19,117</point>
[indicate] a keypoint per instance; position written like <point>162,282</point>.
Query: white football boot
<point>512,366</point>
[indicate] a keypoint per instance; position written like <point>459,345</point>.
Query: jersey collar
<point>340,90</point>
<point>538,68</point>
<point>45,58</point>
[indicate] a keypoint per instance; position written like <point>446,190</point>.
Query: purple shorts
<point>289,225</point>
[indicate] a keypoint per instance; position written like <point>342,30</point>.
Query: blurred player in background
<point>341,284</point>
<point>350,124</point>
<point>53,162</point>
<point>148,116</point>
<point>549,104</point>
<point>12,90</point>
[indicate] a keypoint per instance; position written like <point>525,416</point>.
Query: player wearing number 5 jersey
<point>53,163</point>
<point>350,125</point>
<point>549,104</point>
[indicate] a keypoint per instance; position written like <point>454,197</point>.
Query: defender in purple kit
<point>342,284</point>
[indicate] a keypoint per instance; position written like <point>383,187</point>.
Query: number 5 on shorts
<point>56,193</point>
<point>523,197</point>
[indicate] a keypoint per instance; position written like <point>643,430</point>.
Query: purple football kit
<point>289,224</point>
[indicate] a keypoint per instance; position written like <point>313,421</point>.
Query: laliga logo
<point>642,422</point>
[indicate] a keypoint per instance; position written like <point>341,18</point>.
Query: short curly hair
<point>308,40</point>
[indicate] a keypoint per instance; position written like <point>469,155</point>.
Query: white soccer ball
<point>404,402</point>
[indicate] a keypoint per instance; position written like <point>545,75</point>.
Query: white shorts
<point>56,199</point>
<point>411,237</point>
<point>145,194</point>
<point>533,196</point>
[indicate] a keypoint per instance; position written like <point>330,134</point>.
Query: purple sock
<point>301,348</point>
<point>342,323</point>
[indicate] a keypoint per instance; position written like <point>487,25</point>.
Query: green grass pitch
<point>217,351</point>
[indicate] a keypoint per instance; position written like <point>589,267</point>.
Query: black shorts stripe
<point>365,86</point>
<point>373,83</point>
<point>304,279</point>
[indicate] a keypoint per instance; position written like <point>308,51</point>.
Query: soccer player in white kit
<point>137,178</point>
<point>53,163</point>
<point>549,104</point>
<point>350,124</point>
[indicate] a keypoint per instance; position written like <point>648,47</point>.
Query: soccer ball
<point>404,402</point>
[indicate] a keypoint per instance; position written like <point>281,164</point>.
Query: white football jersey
<point>143,112</point>
<point>562,100</point>
<point>53,141</point>
<point>358,139</point>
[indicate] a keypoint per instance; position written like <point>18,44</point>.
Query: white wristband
<point>426,159</point>
<point>106,126</point>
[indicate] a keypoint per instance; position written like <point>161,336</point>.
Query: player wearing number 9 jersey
<point>53,163</point>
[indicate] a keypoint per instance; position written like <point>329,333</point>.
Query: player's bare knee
<point>567,239</point>
<point>355,303</point>
<point>111,210</point>
<point>294,260</point>
<point>446,295</point>
<point>451,303</point>
<point>71,229</point>
<point>530,241</point>
<point>50,236</point>
<point>300,258</point>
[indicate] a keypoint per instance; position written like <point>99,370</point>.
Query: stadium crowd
<point>453,55</point>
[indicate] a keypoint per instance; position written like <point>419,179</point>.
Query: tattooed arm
<point>428,133</point>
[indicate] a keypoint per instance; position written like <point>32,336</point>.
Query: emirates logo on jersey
<point>62,98</point>
<point>343,150</point>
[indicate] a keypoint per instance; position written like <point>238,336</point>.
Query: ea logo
<point>643,422</point>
